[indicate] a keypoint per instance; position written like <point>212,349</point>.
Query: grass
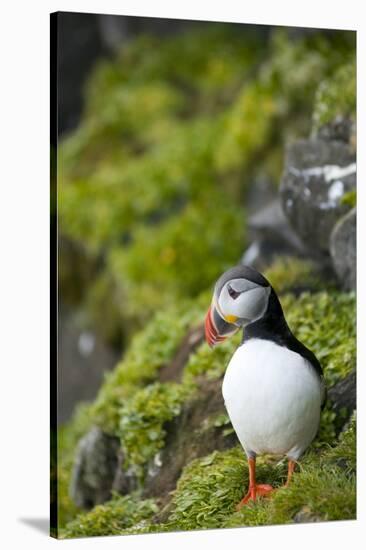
<point>323,488</point>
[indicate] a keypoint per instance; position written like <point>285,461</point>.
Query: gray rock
<point>271,236</point>
<point>125,480</point>
<point>94,468</point>
<point>113,31</point>
<point>188,436</point>
<point>260,194</point>
<point>343,395</point>
<point>343,250</point>
<point>79,46</point>
<point>83,358</point>
<point>262,252</point>
<point>340,129</point>
<point>317,175</point>
<point>306,516</point>
<point>271,223</point>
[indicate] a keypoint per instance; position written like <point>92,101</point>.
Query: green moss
<point>211,362</point>
<point>110,518</point>
<point>248,127</point>
<point>220,420</point>
<point>150,350</point>
<point>287,274</point>
<point>142,422</point>
<point>336,96</point>
<point>350,198</point>
<point>344,455</point>
<point>208,490</point>
<point>172,250</point>
<point>102,295</point>
<point>131,191</point>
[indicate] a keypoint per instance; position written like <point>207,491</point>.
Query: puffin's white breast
<point>273,398</point>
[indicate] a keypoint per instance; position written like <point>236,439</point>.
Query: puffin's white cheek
<point>252,304</point>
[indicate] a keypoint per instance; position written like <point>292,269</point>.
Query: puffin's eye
<point>232,292</point>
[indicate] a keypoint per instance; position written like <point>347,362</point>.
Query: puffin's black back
<point>273,326</point>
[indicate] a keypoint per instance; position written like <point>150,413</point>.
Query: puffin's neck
<point>272,325</point>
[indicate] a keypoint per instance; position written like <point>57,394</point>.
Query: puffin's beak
<point>216,329</point>
<point>210,329</point>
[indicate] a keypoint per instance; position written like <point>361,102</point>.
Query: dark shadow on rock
<point>188,437</point>
<point>39,524</point>
<point>94,468</point>
<point>342,397</point>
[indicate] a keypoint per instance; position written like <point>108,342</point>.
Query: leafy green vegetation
<point>336,96</point>
<point>288,274</point>
<point>142,422</point>
<point>150,350</point>
<point>350,198</point>
<point>111,518</point>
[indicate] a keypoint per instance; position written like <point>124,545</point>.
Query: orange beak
<point>211,333</point>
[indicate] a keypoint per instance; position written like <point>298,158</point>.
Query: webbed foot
<point>260,490</point>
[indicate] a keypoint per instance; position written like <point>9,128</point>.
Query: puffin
<point>273,387</point>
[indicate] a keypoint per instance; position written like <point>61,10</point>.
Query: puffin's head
<point>240,297</point>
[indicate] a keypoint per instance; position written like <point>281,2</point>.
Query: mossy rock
<point>155,348</point>
<point>201,427</point>
<point>111,518</point>
<point>335,98</point>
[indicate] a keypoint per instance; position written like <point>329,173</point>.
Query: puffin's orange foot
<point>261,490</point>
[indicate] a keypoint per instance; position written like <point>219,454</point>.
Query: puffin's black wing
<point>293,344</point>
<point>272,326</point>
